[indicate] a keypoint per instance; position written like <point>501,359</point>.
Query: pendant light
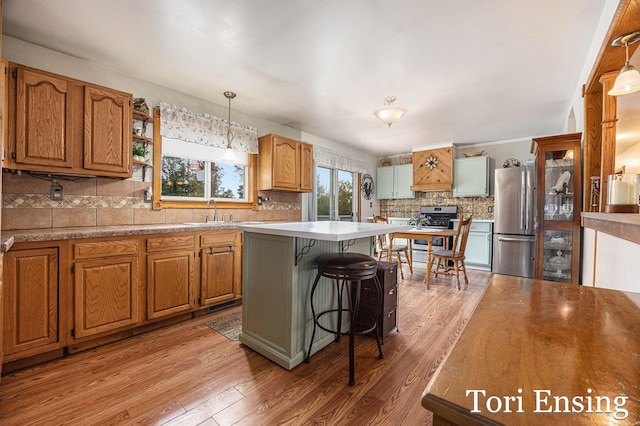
<point>389,114</point>
<point>228,152</point>
<point>628,81</point>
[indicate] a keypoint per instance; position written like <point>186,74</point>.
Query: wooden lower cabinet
<point>30,302</point>
<point>106,286</point>
<point>106,295</point>
<point>170,275</point>
<point>70,295</point>
<point>221,258</point>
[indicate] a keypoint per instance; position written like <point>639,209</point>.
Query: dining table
<point>425,234</point>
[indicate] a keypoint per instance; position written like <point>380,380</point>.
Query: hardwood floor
<point>188,374</point>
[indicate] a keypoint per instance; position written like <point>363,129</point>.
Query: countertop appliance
<point>513,237</point>
<point>436,217</point>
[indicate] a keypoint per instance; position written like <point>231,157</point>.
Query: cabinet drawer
<point>389,321</point>
<point>91,250</point>
<point>176,242</point>
<point>481,226</point>
<point>476,226</point>
<point>220,239</point>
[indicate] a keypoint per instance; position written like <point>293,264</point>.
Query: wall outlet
<point>57,194</point>
<point>489,209</point>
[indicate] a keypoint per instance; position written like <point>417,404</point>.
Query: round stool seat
<point>351,269</point>
<point>354,265</point>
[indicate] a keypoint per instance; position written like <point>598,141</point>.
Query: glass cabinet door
<point>558,256</point>
<point>558,185</point>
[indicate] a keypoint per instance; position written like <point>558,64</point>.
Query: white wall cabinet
<point>395,182</point>
<point>471,177</point>
<point>478,253</point>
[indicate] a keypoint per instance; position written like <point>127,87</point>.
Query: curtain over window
<point>334,160</point>
<point>179,123</point>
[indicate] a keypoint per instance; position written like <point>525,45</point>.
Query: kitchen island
<point>278,270</point>
<point>536,352</point>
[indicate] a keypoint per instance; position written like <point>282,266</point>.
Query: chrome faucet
<point>215,209</point>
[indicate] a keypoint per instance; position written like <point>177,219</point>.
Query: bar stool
<point>353,268</point>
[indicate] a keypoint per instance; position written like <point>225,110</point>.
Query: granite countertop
<point>624,218</point>
<point>326,230</point>
<point>50,234</point>
<point>621,225</point>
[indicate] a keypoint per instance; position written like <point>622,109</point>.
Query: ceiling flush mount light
<point>628,81</point>
<point>228,152</point>
<point>389,114</point>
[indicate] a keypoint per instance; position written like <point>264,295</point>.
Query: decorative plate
<point>367,186</point>
<point>473,154</point>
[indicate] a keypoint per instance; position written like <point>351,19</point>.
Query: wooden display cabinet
<point>558,205</point>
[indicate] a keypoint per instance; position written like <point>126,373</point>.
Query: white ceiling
<point>468,71</point>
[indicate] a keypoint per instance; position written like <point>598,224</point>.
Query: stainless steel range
<point>436,217</point>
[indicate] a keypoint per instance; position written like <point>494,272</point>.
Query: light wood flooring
<point>188,374</point>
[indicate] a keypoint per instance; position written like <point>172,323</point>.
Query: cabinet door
<point>218,275</point>
<point>107,131</point>
<point>169,283</point>
<point>106,295</point>
<point>286,165</point>
<point>404,180</point>
<point>385,186</point>
<point>31,300</point>
<point>43,120</point>
<point>306,167</point>
<point>478,250</point>
<point>471,177</point>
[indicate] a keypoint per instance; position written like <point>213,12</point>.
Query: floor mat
<point>229,326</point>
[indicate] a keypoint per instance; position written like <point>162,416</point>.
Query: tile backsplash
<point>478,206</point>
<point>27,204</point>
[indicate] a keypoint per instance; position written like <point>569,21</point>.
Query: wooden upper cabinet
<point>306,167</point>
<point>285,164</point>
<point>107,130</point>
<point>433,170</point>
<point>43,110</point>
<point>64,125</point>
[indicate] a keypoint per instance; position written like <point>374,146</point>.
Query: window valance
<point>334,160</point>
<point>204,129</point>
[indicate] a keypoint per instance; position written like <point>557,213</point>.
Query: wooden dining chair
<point>455,255</point>
<point>383,248</point>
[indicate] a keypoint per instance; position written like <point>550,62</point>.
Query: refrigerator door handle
<point>522,199</point>
<point>515,240</point>
<point>527,219</point>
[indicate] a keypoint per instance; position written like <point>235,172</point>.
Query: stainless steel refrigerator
<point>513,238</point>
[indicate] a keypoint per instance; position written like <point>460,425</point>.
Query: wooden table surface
<point>531,343</point>
<point>426,234</point>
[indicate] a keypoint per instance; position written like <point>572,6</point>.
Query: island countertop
<point>324,230</point>
<point>530,342</point>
